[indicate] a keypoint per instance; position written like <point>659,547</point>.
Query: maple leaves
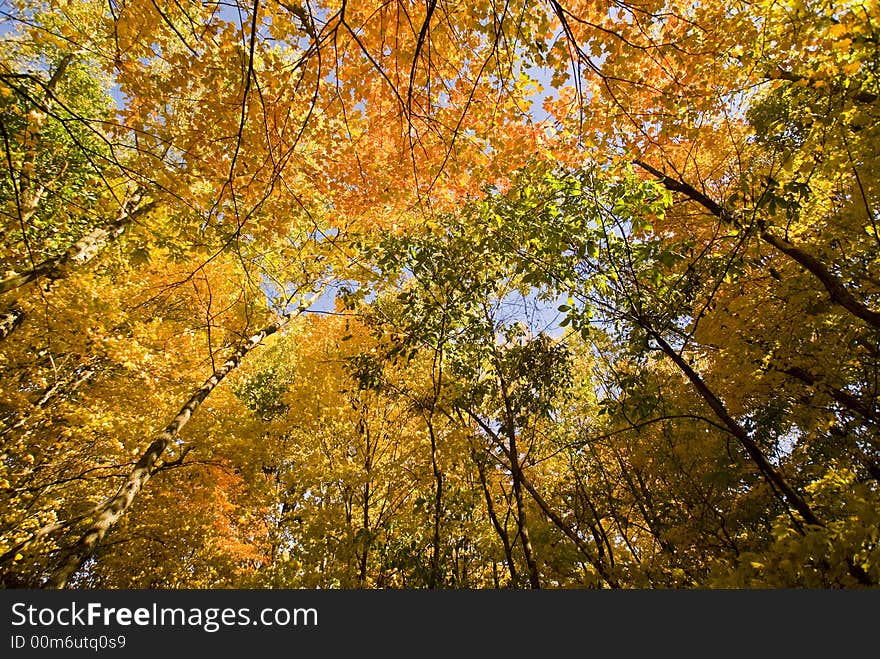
<point>633,344</point>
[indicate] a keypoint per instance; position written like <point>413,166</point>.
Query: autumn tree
<point>596,285</point>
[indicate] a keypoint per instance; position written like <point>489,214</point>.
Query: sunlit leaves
<point>552,328</point>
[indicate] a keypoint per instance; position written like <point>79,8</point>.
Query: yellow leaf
<point>837,30</point>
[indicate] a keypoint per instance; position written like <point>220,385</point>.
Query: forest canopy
<point>439,294</point>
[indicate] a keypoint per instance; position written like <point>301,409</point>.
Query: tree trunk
<point>790,497</point>
<point>9,321</point>
<point>496,523</point>
<point>570,533</point>
<point>517,476</point>
<point>545,508</point>
<point>525,540</point>
<point>62,386</point>
<point>434,576</point>
<point>112,511</point>
<point>848,400</point>
<point>82,251</point>
<point>838,293</point>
